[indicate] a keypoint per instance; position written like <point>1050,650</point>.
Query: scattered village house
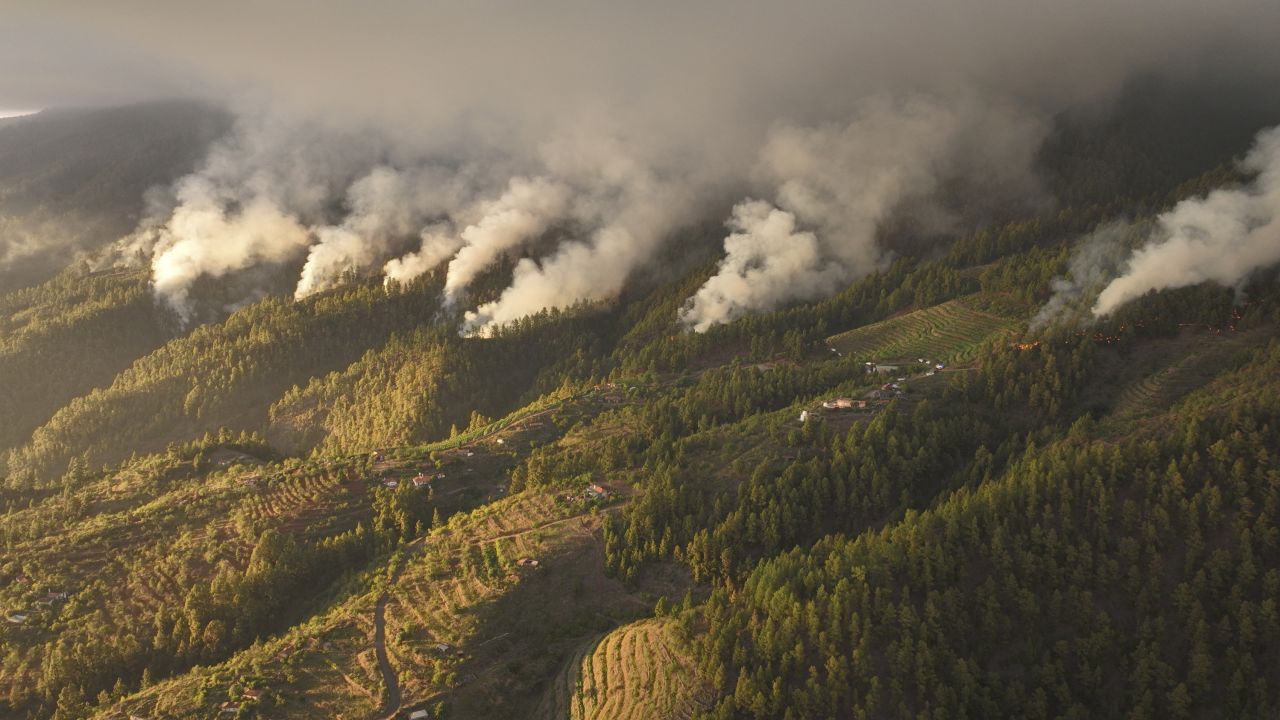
<point>251,694</point>
<point>17,618</point>
<point>419,715</point>
<point>596,492</point>
<point>842,403</point>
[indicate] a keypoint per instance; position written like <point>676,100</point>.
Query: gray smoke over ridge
<point>383,207</point>
<point>1094,263</point>
<point>470,129</point>
<point>1222,237</point>
<point>843,182</point>
<point>250,203</point>
<point>437,243</point>
<point>522,213</point>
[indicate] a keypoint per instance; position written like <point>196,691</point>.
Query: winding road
<point>390,679</point>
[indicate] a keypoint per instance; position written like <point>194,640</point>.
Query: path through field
<point>390,680</point>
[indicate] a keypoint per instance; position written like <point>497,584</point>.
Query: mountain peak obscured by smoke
<point>394,138</point>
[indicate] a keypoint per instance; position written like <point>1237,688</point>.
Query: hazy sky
<point>623,120</point>
<point>680,64</point>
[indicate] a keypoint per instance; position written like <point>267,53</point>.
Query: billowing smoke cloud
<point>625,208</point>
<point>838,184</point>
<point>438,243</point>
<point>257,233</point>
<point>525,211</point>
<point>768,261</point>
<point>384,207</point>
<point>1221,238</point>
<point>475,129</point>
<point>252,202</point>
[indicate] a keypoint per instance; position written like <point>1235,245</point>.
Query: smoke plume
<point>524,212</point>
<point>1221,238</point>
<point>1095,262</point>
<point>438,243</point>
<point>838,184</point>
<point>396,138</point>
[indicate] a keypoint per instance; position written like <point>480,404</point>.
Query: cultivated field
<point>636,672</point>
<point>953,331</point>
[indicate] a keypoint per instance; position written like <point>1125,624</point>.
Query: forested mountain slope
<point>909,499</point>
<point>67,336</point>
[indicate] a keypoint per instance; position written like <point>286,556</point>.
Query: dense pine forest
<point>912,498</point>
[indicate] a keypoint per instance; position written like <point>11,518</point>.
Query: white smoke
<point>767,261</point>
<point>525,211</point>
<point>1222,237</point>
<point>385,206</point>
<point>1093,264</point>
<point>438,243</point>
<point>838,184</point>
<point>251,202</point>
<point>515,90</point>
<point>626,207</point>
<point>258,233</point>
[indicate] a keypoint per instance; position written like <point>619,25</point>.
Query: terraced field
<point>475,561</point>
<point>636,672</point>
<point>952,331</point>
<point>1177,372</point>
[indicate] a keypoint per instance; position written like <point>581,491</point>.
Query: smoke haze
<point>392,138</point>
<point>1222,237</point>
<point>842,183</point>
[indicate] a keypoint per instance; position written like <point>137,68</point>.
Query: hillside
<point>904,499</point>
<point>67,336</point>
<point>74,180</point>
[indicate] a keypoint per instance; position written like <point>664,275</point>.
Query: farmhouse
<point>527,562</point>
<point>840,403</point>
<point>419,715</point>
<point>251,694</point>
<point>17,618</point>
<point>804,416</point>
<point>596,492</point>
<point>392,484</point>
<point>229,707</point>
<point>421,480</point>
